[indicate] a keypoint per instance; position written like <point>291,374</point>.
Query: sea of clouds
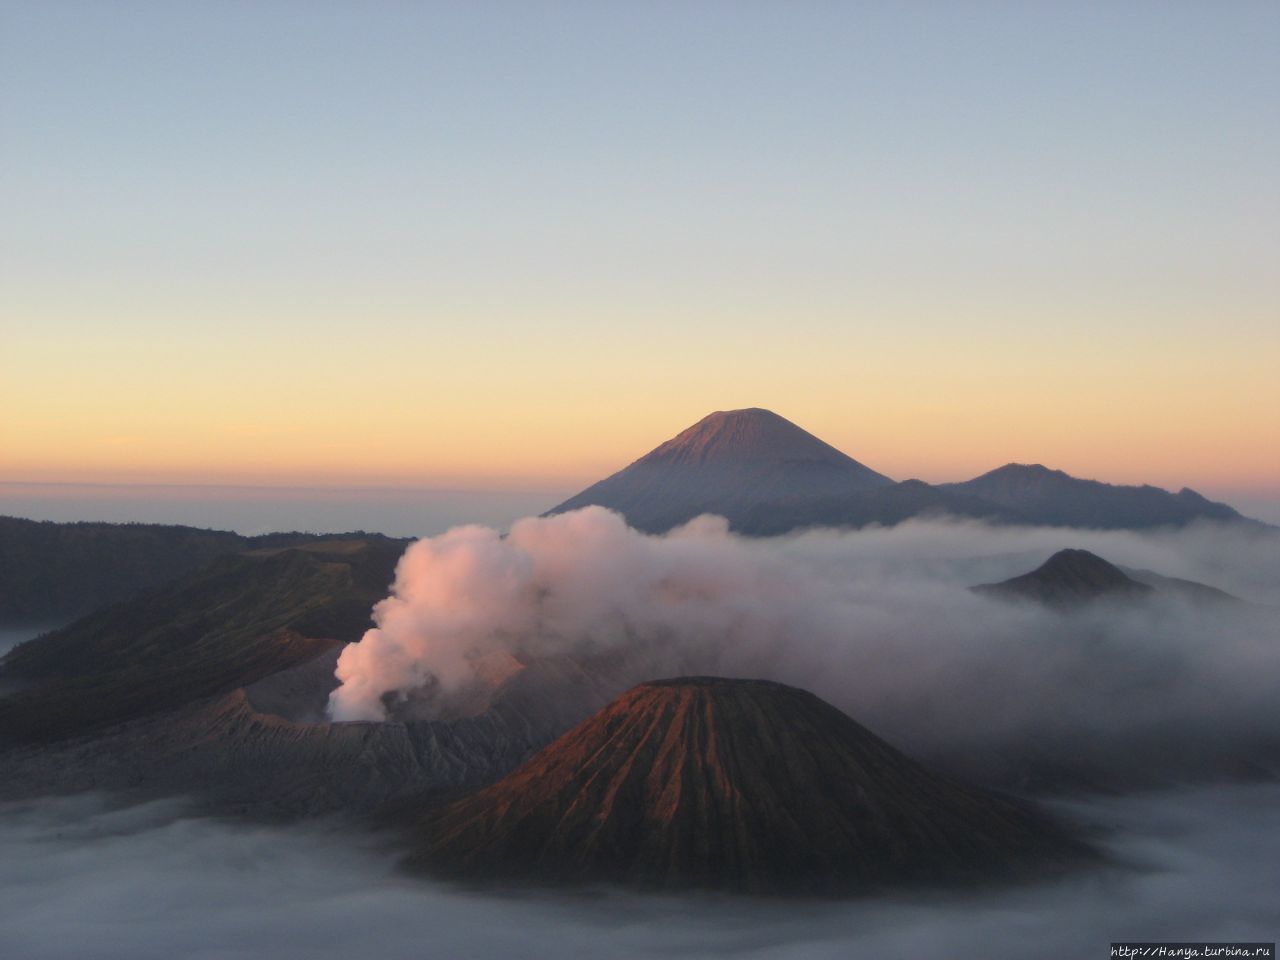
<point>80,878</point>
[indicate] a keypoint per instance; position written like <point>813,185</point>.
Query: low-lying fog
<point>79,879</point>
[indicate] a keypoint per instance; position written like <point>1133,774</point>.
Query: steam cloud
<point>562,584</point>
<point>878,622</point>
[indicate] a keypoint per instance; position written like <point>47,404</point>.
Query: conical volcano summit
<point>728,463</point>
<point>742,785</point>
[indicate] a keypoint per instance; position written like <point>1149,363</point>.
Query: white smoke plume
<point>569,583</point>
<point>877,621</point>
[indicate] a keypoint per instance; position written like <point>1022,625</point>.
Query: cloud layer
<point>879,622</point>
<point>80,879</point>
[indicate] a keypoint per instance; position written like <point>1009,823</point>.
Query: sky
<point>516,245</point>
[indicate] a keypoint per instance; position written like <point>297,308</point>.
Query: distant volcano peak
<point>1078,560</point>
<point>744,436</point>
<point>1069,577</point>
<point>730,462</point>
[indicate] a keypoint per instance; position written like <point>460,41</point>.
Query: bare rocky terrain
<point>215,686</point>
<point>743,785</point>
<point>265,749</point>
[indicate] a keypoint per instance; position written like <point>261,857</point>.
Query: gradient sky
<point>521,243</point>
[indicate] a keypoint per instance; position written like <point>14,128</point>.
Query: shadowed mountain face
<point>1190,590</point>
<point>215,687</point>
<point>732,784</point>
<point>58,571</point>
<point>1043,496</point>
<point>1069,578</point>
<point>51,571</point>
<point>887,505</point>
<point>265,749</point>
<point>242,618</point>
<point>729,463</point>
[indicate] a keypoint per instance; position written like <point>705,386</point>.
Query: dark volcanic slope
<point>264,749</point>
<point>58,571</point>
<point>1191,590</point>
<point>215,687</point>
<point>244,617</point>
<point>728,463</point>
<point>732,784</point>
<point>1044,496</point>
<point>52,571</point>
<point>1068,578</point>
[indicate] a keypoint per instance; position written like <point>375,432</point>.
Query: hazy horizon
<point>458,243</point>
<point>249,510</point>
<point>394,511</point>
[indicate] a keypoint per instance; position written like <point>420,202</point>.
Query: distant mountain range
<point>743,785</point>
<point>1036,494</point>
<point>768,476</point>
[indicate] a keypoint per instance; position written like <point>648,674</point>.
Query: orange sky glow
<point>337,252</point>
